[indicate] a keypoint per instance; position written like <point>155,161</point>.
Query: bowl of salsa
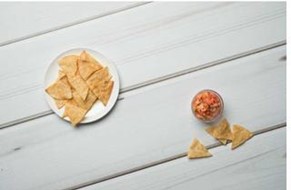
<point>207,106</point>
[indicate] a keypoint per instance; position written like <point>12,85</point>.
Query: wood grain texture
<point>148,125</point>
<point>146,43</point>
<point>22,20</point>
<point>259,164</point>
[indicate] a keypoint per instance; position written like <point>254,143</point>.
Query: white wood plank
<point>145,43</point>
<point>260,164</point>
<point>152,124</point>
<point>20,20</point>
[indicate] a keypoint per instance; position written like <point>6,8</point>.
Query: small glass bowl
<point>219,114</point>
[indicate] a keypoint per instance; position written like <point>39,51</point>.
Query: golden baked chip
<point>95,79</point>
<point>78,99</point>
<point>240,135</point>
<point>60,103</point>
<point>68,64</point>
<point>86,69</point>
<point>75,113</point>
<point>59,90</point>
<point>101,87</point>
<point>85,104</point>
<point>72,102</point>
<point>106,92</point>
<point>91,99</point>
<point>223,141</point>
<point>84,56</point>
<point>197,150</point>
<point>79,85</point>
<point>64,79</point>
<point>221,131</point>
<point>61,75</point>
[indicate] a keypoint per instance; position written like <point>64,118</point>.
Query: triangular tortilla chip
<point>223,141</point>
<point>60,103</point>
<point>240,135</point>
<point>61,75</point>
<point>84,56</point>
<point>75,113</point>
<point>59,90</point>
<point>72,102</point>
<point>78,99</point>
<point>102,87</point>
<point>68,64</point>
<point>221,131</point>
<point>106,92</point>
<point>64,79</point>
<point>91,99</point>
<point>79,85</point>
<point>100,75</point>
<point>88,103</point>
<point>197,150</point>
<point>86,69</point>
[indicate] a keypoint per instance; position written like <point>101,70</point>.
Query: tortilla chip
<point>97,77</point>
<point>60,103</point>
<point>86,69</point>
<point>84,56</point>
<point>105,93</point>
<point>59,90</point>
<point>88,103</point>
<point>240,135</point>
<point>72,102</point>
<point>101,87</point>
<point>64,79</point>
<point>197,150</point>
<point>78,99</point>
<point>61,75</point>
<point>91,99</point>
<point>75,113</point>
<point>223,141</point>
<point>221,131</point>
<point>68,64</point>
<point>79,85</point>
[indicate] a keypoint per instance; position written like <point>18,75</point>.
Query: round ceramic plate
<point>98,110</point>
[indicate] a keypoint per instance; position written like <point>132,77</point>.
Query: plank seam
<point>81,21</point>
<point>195,38</point>
<point>160,79</point>
<point>204,66</point>
<point>156,163</point>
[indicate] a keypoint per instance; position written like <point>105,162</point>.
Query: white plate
<point>98,110</point>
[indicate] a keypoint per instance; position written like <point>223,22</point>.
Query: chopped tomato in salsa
<point>207,105</point>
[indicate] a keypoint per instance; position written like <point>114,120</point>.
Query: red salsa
<point>207,105</point>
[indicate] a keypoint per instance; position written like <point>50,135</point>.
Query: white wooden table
<point>165,53</point>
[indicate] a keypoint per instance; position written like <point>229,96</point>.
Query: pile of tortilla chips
<point>223,133</point>
<point>82,81</point>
